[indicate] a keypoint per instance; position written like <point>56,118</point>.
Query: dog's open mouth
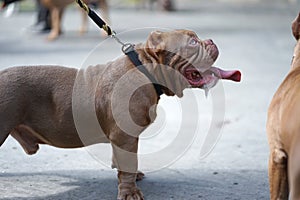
<point>209,78</point>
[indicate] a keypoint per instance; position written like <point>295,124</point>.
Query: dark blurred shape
<point>43,23</point>
<point>167,5</point>
<point>7,2</point>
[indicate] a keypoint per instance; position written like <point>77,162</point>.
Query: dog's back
<point>32,96</point>
<point>36,105</point>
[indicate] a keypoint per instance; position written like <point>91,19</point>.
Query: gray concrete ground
<point>254,37</point>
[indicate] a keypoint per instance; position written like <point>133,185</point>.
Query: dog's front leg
<point>125,160</point>
<point>56,17</point>
<point>104,9</point>
<point>127,188</point>
<point>278,175</point>
<point>84,24</point>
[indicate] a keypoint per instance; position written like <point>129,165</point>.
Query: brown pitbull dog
<point>283,129</point>
<point>38,104</point>
<point>56,11</point>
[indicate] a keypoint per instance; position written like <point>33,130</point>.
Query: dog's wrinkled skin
<point>283,129</point>
<point>56,11</point>
<point>36,102</point>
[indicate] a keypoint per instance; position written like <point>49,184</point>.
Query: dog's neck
<point>296,57</point>
<point>162,68</point>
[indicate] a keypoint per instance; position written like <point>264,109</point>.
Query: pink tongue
<point>233,75</point>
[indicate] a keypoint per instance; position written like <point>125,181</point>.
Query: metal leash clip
<point>126,47</point>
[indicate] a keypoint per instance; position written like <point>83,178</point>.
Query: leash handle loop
<point>83,6</point>
<point>95,17</point>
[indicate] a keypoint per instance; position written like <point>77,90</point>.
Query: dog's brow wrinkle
<point>192,34</point>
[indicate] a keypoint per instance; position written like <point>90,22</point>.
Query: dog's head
<point>192,57</point>
<point>296,33</point>
<point>296,27</point>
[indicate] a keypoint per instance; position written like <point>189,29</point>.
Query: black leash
<point>128,49</point>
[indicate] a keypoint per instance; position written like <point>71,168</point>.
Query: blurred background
<point>253,36</point>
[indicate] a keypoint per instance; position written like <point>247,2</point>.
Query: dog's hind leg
<point>6,126</point>
<point>4,132</point>
<point>3,137</point>
<point>27,138</point>
<point>278,175</point>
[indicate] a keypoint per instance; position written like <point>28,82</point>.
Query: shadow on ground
<point>91,184</point>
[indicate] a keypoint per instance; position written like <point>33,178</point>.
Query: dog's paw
<point>140,176</point>
<point>82,30</point>
<point>131,194</point>
<point>52,36</point>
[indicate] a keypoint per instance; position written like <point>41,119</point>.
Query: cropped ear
<point>155,42</point>
<point>296,27</point>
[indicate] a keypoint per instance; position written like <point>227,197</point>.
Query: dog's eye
<point>193,42</point>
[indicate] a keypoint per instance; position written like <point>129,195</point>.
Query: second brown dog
<point>283,129</point>
<point>57,8</point>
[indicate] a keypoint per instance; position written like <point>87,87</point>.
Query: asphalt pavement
<point>252,37</point>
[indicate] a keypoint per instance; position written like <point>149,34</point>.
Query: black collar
<point>134,57</point>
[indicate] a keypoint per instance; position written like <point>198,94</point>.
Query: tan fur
<point>36,101</point>
<point>56,11</point>
<point>283,129</point>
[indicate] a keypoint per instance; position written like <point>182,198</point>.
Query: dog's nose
<point>209,42</point>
